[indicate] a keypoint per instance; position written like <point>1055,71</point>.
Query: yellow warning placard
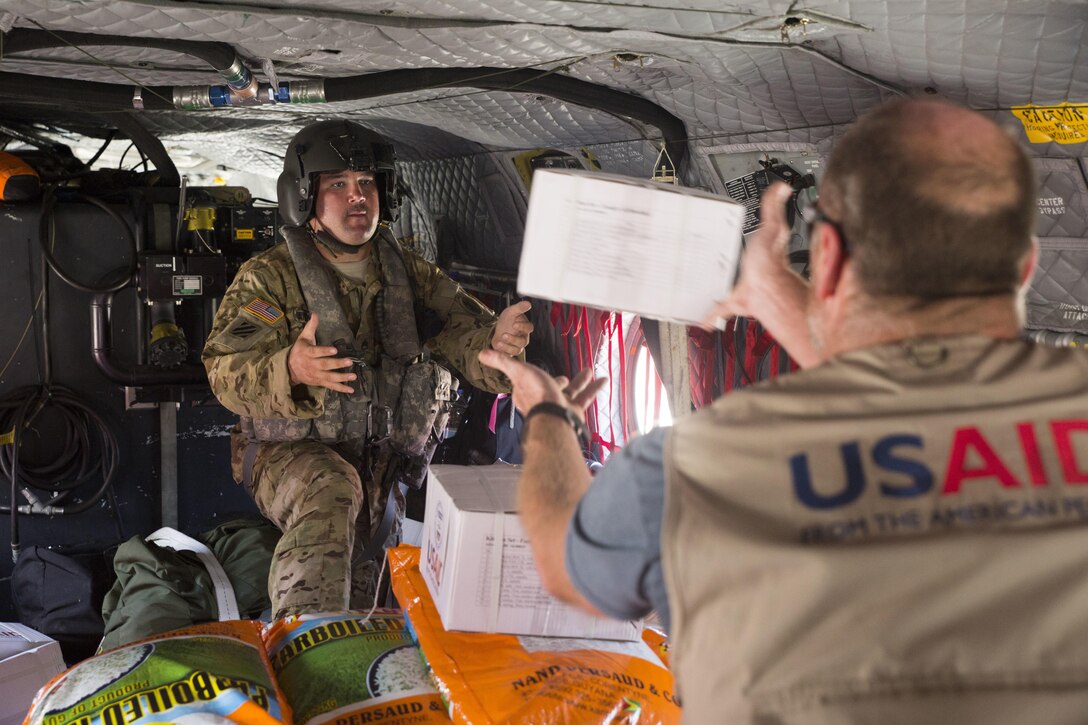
<point>1063,123</point>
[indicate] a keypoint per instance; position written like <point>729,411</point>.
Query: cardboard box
<point>479,566</point>
<point>619,243</point>
<point>28,660</point>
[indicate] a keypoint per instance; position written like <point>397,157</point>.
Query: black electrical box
<point>166,277</point>
<point>253,226</point>
<point>242,231</point>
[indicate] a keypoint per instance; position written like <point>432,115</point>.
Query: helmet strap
<point>331,243</point>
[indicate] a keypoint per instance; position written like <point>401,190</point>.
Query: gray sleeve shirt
<point>613,551</point>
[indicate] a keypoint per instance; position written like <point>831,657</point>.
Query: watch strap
<point>561,411</point>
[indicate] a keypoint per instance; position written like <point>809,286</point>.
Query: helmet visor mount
<point>357,156</point>
<point>348,153</point>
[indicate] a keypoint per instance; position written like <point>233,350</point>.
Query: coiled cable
<point>45,238</point>
<point>88,449</point>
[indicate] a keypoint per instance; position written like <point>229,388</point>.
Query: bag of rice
<point>209,673</point>
<point>350,669</point>
<point>495,678</point>
<point>657,641</point>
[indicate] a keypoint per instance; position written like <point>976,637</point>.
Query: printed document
<point>619,243</point>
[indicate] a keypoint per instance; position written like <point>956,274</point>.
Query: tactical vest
<point>404,401</point>
<point>900,534</point>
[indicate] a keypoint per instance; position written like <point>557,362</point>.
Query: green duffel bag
<point>170,580</point>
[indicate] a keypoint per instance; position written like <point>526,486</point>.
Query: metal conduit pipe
<point>123,373</point>
<point>78,94</point>
<point>1054,338</point>
<point>524,80</point>
<point>220,56</point>
<point>351,88</point>
<point>126,122</point>
<point>148,144</point>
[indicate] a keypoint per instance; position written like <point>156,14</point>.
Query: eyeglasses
<point>813,215</point>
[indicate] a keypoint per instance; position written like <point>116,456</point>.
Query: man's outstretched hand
<point>532,385</point>
<point>311,364</point>
<point>555,476</point>
<point>513,329</point>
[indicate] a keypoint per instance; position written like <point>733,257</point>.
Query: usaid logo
<point>972,460</point>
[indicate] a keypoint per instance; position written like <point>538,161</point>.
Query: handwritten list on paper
<point>624,244</point>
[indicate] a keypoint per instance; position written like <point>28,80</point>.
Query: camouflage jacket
<point>264,311</point>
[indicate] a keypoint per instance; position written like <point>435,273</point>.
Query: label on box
<point>436,542</point>
<point>519,586</point>
<point>188,285</point>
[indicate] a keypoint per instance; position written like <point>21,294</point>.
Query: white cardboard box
<point>620,243</point>
<point>479,566</point>
<point>28,660</point>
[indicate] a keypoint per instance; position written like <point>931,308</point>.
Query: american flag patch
<point>264,311</point>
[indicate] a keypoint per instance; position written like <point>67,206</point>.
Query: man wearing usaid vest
<point>898,533</point>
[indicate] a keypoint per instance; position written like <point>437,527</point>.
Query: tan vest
<point>899,535</point>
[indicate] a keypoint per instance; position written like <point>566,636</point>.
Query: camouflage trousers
<point>326,513</point>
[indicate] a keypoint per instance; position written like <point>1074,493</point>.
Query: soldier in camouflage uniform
<point>268,359</point>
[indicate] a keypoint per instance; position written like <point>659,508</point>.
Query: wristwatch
<point>561,411</point>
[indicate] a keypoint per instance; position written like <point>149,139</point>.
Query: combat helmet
<point>334,146</point>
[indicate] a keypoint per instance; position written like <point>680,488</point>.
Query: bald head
<point>934,200</point>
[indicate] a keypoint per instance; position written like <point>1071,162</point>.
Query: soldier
<point>317,347</point>
<point>896,533</point>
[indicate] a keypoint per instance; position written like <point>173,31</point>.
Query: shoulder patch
<point>243,333</point>
<point>242,328</point>
<point>265,311</point>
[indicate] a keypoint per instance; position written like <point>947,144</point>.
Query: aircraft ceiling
<point>729,73</point>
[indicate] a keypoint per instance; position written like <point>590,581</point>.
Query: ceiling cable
<point>97,60</point>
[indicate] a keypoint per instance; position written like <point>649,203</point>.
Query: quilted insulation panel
<point>751,72</point>
<point>748,67</point>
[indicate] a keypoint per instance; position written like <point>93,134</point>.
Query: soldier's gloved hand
<point>513,329</point>
<point>311,364</point>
